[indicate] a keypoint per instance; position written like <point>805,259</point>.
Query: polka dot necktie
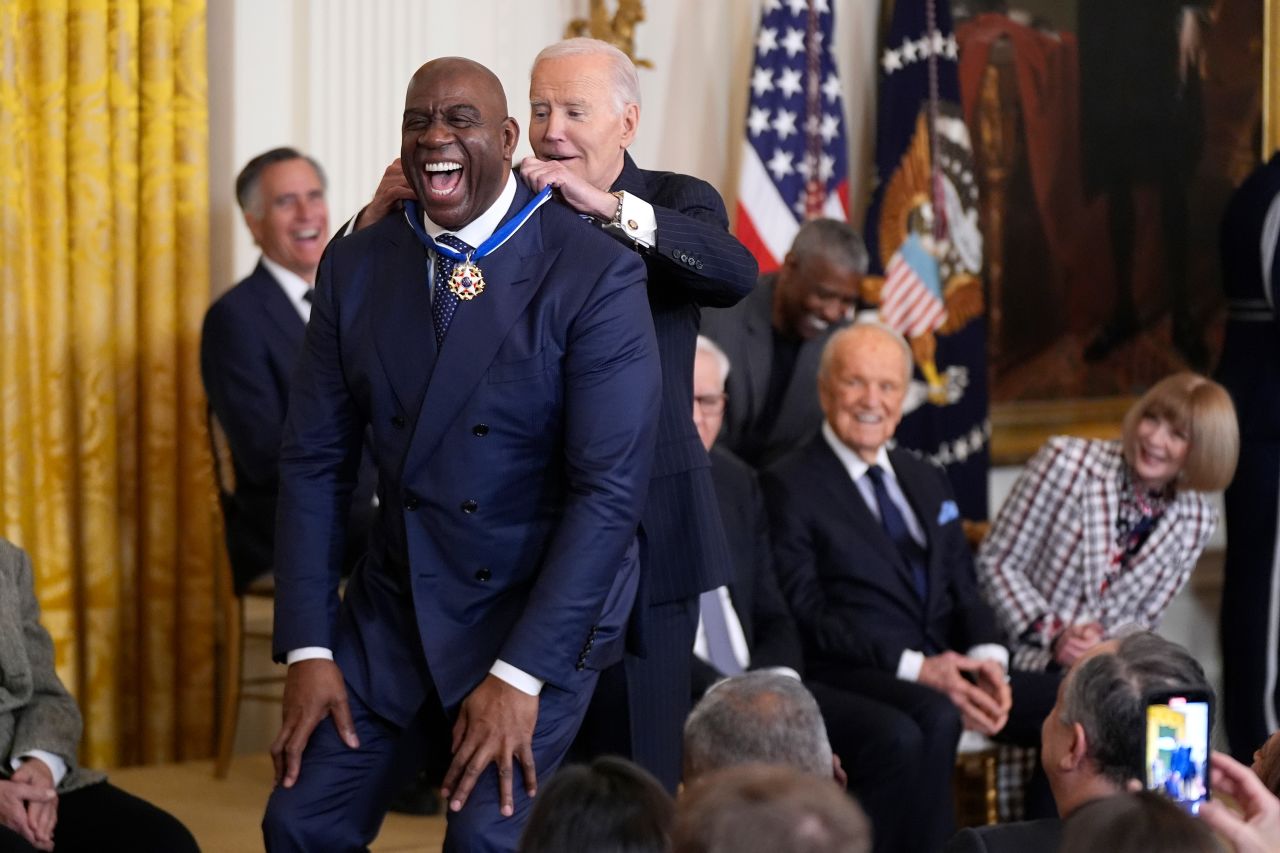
<point>444,302</point>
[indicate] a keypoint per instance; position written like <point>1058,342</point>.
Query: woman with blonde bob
<point>1098,536</point>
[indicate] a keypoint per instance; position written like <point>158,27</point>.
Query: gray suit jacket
<point>36,711</point>
<point>745,334</point>
<point>1028,836</point>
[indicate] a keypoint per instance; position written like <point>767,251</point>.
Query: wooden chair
<point>234,685</point>
<point>975,783</point>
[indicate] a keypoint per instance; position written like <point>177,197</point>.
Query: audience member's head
<point>1206,440</point>
<point>759,808</point>
<point>1140,822</point>
<point>1092,742</point>
<point>756,718</point>
<point>818,283</point>
<point>456,140</point>
<point>862,383</point>
<point>584,108</point>
<point>710,370</point>
<point>281,193</point>
<point>610,806</point>
<point>1266,763</point>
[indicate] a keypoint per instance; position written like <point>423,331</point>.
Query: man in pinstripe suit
<point>585,109</point>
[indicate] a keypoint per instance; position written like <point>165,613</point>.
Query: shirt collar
<point>479,229</point>
<point>294,286</point>
<point>852,462</point>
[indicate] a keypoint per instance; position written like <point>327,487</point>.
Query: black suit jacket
<point>849,589</point>
<point>1036,836</point>
<point>770,631</point>
<point>696,262</point>
<point>249,346</point>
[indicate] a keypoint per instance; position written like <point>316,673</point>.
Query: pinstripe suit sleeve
<point>692,223</point>
<point>1019,538</point>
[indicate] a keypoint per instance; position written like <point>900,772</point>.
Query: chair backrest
<point>224,473</point>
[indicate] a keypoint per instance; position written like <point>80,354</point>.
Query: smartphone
<point>1177,740</point>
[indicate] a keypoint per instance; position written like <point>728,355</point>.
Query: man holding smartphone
<point>1093,742</point>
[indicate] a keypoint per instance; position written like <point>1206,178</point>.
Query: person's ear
<point>630,124</point>
<point>1075,756</point>
<point>510,137</point>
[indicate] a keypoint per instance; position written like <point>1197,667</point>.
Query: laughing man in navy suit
<point>250,343</point>
<point>513,423</point>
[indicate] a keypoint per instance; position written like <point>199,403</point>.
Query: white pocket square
<point>948,512</point>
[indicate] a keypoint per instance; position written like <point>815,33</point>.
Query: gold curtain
<point>104,259</point>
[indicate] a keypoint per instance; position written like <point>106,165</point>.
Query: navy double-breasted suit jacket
<point>513,463</point>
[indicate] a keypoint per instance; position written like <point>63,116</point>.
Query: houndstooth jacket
<point>1049,551</point>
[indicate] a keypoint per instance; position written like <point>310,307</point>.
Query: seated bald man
<point>501,352</point>
<point>872,560</point>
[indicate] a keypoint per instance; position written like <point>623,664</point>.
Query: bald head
<point>456,140</point>
<point>862,384</point>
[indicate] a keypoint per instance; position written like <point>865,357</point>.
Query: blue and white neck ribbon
<point>489,246</point>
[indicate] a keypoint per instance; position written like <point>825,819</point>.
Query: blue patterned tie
<point>715,624</point>
<point>896,526</point>
<point>444,302</point>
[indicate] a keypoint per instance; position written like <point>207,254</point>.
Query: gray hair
<point>864,323</point>
<point>710,347</point>
<point>626,83</point>
<point>756,717</point>
<point>250,177</point>
<point>1106,695</point>
<point>833,240</point>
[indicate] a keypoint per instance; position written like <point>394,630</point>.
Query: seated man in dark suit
<point>872,560</point>
<point>251,341</point>
<point>746,625</point>
<point>775,335</point>
<point>1092,742</point>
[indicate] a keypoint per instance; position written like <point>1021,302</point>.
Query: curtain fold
<point>104,261</point>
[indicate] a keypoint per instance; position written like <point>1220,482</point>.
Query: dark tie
<point>716,627</point>
<point>444,302</point>
<point>896,526</point>
<point>308,296</point>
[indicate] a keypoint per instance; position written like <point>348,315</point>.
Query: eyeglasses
<point>711,404</point>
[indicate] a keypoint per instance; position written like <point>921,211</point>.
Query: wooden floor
<point>224,814</point>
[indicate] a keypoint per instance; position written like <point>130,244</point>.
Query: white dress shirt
<point>295,287</point>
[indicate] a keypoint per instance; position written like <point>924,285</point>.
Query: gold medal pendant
<point>467,282</point>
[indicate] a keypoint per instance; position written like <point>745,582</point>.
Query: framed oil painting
<point>1108,136</point>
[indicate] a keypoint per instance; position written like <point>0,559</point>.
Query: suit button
<point>483,574</point>
<point>480,430</point>
<point>684,258</point>
<point>698,265</point>
<point>410,502</point>
<point>469,507</point>
<point>397,421</point>
<point>675,253</point>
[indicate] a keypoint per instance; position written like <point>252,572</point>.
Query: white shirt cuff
<point>517,678</point>
<point>991,651</point>
<point>638,220</point>
<point>308,653</point>
<point>909,665</point>
<point>56,765</point>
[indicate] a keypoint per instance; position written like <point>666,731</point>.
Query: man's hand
<point>42,815</point>
<point>1258,831</point>
<point>982,711</point>
<point>14,798</point>
<point>1074,640</point>
<point>574,189</point>
<point>313,690</point>
<point>495,723</point>
<point>1190,45</point>
<point>393,191</point>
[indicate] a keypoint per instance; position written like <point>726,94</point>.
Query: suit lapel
<point>404,339</point>
<point>916,489</point>
<point>279,311</point>
<point>512,275</point>
<point>630,179</point>
<point>759,346</point>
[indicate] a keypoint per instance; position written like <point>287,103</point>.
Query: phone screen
<point>1178,727</point>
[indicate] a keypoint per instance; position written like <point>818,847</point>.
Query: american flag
<point>911,300</point>
<point>795,157</point>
